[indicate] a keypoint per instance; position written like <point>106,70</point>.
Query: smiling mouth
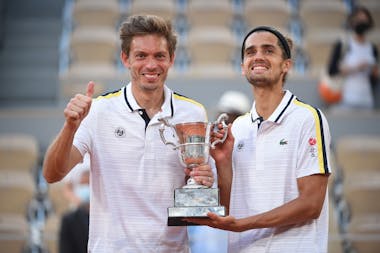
<point>259,69</point>
<point>151,75</point>
<point>262,68</point>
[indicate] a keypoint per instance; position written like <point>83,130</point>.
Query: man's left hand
<point>202,174</point>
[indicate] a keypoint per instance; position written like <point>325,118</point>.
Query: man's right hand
<point>79,106</point>
<point>223,151</point>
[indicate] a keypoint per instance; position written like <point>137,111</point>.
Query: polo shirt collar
<point>167,107</point>
<point>277,115</point>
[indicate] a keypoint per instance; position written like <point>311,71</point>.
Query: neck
<point>150,100</point>
<point>359,38</point>
<point>267,101</point>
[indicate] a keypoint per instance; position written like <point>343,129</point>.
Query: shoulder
<point>109,95</point>
<point>179,98</point>
<point>107,100</point>
<point>305,112</point>
<point>242,119</point>
<point>239,123</point>
<point>69,216</point>
<point>187,103</point>
<point>338,44</point>
<point>343,44</point>
<point>187,109</point>
<point>305,108</point>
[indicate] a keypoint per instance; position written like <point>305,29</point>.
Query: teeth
<point>150,75</point>
<point>259,68</point>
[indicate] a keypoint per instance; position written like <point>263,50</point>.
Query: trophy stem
<point>191,183</point>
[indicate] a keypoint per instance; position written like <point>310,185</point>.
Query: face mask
<point>361,28</point>
<point>83,192</point>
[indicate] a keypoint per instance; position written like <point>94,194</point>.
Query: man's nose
<point>151,62</point>
<point>259,54</point>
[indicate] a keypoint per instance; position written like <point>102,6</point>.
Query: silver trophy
<point>193,144</point>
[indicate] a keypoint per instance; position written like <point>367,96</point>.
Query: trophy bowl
<point>193,143</point>
<point>193,146</point>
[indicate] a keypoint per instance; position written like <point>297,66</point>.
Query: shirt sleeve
<point>314,147</point>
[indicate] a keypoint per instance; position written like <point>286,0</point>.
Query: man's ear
<point>172,59</point>
<point>287,65</point>
<point>124,59</point>
<point>242,69</point>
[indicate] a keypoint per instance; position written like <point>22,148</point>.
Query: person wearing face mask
<point>356,59</point>
<point>71,181</point>
<point>73,234</point>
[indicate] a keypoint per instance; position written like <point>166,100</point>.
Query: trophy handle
<point>162,129</point>
<point>221,120</point>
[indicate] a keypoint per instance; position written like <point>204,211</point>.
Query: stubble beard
<point>261,81</point>
<point>258,81</point>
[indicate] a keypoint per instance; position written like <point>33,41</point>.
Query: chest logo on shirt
<point>120,132</point>
<point>240,146</point>
<point>283,142</point>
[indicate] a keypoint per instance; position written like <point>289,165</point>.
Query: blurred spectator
<point>234,103</point>
<point>73,234</point>
<point>356,59</point>
<point>73,179</point>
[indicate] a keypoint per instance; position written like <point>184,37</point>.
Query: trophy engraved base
<point>194,203</point>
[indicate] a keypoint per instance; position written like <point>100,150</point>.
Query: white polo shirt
<point>133,174</point>
<point>267,160</point>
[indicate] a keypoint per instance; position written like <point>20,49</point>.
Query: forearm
<point>223,162</point>
<point>346,70</point>
<point>361,66</point>
<point>291,213</point>
<point>57,158</point>
<point>224,184</point>
<point>305,207</point>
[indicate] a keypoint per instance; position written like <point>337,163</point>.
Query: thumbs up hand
<point>79,106</point>
<point>90,89</point>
